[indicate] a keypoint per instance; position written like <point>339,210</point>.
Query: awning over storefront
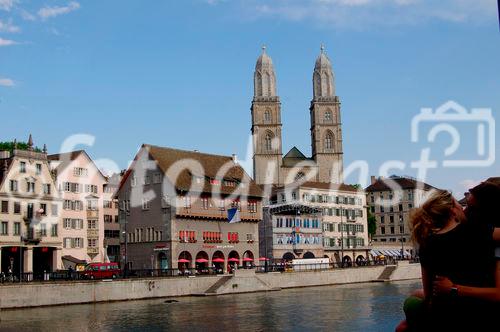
<point>389,253</point>
<point>202,260</point>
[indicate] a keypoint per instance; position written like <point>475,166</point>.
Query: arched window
<point>268,142</point>
<point>267,116</point>
<point>329,141</point>
<point>266,85</point>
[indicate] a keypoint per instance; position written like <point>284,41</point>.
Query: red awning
<point>233,260</point>
<point>202,260</point>
<point>246,259</point>
<point>182,260</point>
<point>263,259</point>
<point>218,260</point>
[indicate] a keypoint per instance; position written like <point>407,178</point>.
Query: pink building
<point>80,184</point>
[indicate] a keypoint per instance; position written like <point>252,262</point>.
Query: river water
<point>356,307</point>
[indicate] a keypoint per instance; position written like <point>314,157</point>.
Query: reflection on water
<point>359,307</point>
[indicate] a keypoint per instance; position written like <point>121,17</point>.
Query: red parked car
<point>102,271</point>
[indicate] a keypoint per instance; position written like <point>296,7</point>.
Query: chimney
<point>235,158</point>
<point>373,179</point>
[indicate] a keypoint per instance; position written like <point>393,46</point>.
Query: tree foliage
<point>9,146</point>
<point>372,224</point>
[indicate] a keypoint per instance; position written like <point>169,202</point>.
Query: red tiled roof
<point>404,183</point>
<point>211,164</point>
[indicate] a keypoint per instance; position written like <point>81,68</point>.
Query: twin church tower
<point>270,166</point>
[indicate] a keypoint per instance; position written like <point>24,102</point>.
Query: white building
<point>316,219</point>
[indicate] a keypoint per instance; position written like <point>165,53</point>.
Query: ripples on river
<point>359,307</point>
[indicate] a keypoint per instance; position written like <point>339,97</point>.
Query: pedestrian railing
<point>71,275</point>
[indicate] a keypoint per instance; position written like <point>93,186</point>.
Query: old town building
<point>30,234</point>
<point>174,208</point>
<point>390,200</point>
<point>316,220</point>
<point>111,220</point>
<point>270,166</point>
<point>80,184</point>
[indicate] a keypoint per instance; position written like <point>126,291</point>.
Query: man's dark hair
<point>485,208</point>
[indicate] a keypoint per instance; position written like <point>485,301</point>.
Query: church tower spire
<point>266,123</point>
<point>326,131</point>
<point>264,78</point>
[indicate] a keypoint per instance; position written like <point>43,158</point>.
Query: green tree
<point>9,146</point>
<point>372,225</point>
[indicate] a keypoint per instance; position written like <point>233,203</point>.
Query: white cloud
<point>214,2</point>
<point>7,42</point>
<point>48,12</point>
<point>468,184</point>
<point>362,13</point>
<point>6,82</point>
<point>8,27</point>
<point>7,4</point>
<point>27,16</point>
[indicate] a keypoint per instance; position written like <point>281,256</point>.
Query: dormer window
<point>229,183</point>
<point>22,167</point>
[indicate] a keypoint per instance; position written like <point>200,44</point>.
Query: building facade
<point>270,166</point>
<point>30,214</point>
<point>80,184</point>
<point>391,200</point>
<point>174,211</point>
<point>316,220</point>
<point>111,220</point>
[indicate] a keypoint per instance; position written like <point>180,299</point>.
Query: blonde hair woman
<point>461,252</point>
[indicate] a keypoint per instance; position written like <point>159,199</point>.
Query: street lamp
<point>401,231</point>
<point>341,236</point>
<point>124,232</point>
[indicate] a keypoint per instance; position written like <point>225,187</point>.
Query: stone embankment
<point>243,281</point>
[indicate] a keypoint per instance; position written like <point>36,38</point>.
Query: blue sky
<point>180,73</point>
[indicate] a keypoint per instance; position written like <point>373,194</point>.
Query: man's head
<point>483,203</point>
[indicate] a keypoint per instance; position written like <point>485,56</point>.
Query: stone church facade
<point>270,166</point>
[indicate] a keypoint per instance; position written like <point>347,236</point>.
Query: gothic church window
<point>268,142</point>
<point>267,116</point>
<point>329,141</point>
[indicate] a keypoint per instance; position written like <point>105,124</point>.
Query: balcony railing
<point>92,233</point>
<point>32,237</point>
<point>92,214</point>
<point>214,213</point>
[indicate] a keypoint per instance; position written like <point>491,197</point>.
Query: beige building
<point>174,211</point>
<point>316,220</point>
<point>80,184</point>
<point>30,214</point>
<point>111,220</point>
<point>391,200</point>
<point>270,166</point>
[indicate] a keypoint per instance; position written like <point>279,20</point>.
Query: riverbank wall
<point>243,281</point>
